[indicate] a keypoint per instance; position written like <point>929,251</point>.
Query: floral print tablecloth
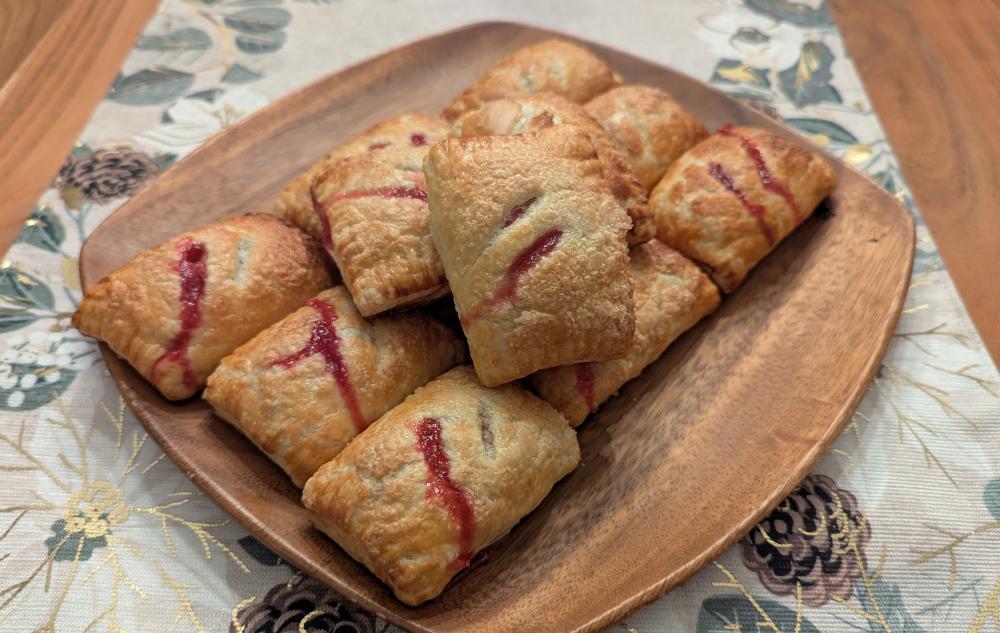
<point>897,529</point>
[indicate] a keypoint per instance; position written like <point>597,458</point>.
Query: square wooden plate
<point>676,468</point>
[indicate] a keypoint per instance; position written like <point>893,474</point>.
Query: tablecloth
<point>896,529</point>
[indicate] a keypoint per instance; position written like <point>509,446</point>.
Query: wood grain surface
<point>931,70</point>
<point>60,58</point>
<point>676,468</point>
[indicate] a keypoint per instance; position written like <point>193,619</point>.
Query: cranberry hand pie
<point>553,66</point>
<point>648,126</point>
<point>533,244</point>
<point>728,201</point>
<point>671,295</point>
<point>408,130</point>
<point>303,388</point>
<point>534,112</point>
<point>438,478</point>
<point>373,211</point>
<point>176,310</point>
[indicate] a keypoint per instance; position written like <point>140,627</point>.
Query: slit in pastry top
<point>506,291</point>
<point>415,192</point>
<point>443,489</point>
<point>192,272</point>
<point>720,173</point>
<point>767,177</point>
<point>324,340</point>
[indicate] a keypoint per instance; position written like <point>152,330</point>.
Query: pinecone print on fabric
<point>302,604</point>
<point>816,538</point>
<point>107,173</point>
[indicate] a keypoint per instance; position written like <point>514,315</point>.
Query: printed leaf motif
<point>991,497</point>
<point>22,289</point>
<point>150,86</point>
<point>163,161</point>
<point>261,44</point>
<point>732,612</point>
<point>889,599</point>
<point>829,129</point>
<point>43,229</point>
<point>750,35</point>
<point>69,270</point>
<point>240,74</point>
<point>25,386</point>
<point>807,81</point>
<point>259,20</point>
<point>797,13</point>
<point>753,97</point>
<point>733,71</point>
<point>72,197</point>
<point>208,96</point>
<point>81,149</point>
<point>183,40</point>
<point>16,318</point>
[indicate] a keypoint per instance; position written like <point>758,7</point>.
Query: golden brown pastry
<point>375,226</point>
<point>302,389</point>
<point>728,201</point>
<point>671,295</point>
<point>176,310</point>
<point>408,130</point>
<point>648,126</point>
<point>525,113</point>
<point>438,478</point>
<point>534,247</point>
<point>553,66</point>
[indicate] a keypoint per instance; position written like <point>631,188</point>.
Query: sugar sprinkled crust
<point>534,247</point>
<point>728,201</point>
<point>649,128</point>
<point>302,389</point>
<point>553,66</point>
<point>374,210</point>
<point>438,478</point>
<point>526,113</point>
<point>671,295</point>
<point>408,130</point>
<point>177,309</point>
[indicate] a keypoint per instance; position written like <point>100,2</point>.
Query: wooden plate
<point>676,468</point>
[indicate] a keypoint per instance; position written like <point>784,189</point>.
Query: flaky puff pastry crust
<point>409,130</point>
<point>440,477</point>
<point>671,295</point>
<point>552,66</point>
<point>177,309</point>
<point>728,201</point>
<point>302,389</point>
<point>649,128</point>
<point>533,244</point>
<point>376,229</point>
<point>526,113</point>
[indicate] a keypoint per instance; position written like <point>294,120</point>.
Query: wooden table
<point>928,66</point>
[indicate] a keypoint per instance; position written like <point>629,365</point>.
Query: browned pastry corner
<point>302,389</point>
<point>671,295</point>
<point>408,130</point>
<point>648,126</point>
<point>373,209</point>
<point>525,113</point>
<point>729,200</point>
<point>438,478</point>
<point>553,66</point>
<point>176,310</point>
<point>534,247</point>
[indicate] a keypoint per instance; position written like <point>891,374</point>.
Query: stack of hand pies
<point>580,226</point>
